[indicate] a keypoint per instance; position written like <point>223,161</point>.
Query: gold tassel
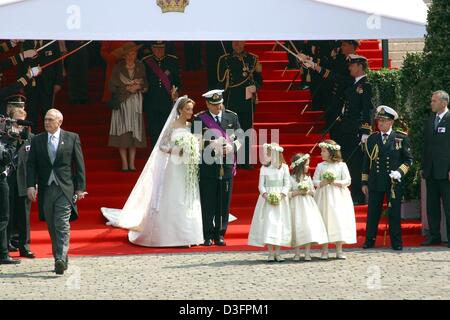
<point>222,173</point>
<point>308,77</point>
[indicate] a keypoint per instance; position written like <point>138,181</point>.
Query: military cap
<point>385,112</point>
<point>214,96</point>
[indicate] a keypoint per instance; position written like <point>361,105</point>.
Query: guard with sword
<point>240,75</point>
<point>355,117</point>
<point>41,91</point>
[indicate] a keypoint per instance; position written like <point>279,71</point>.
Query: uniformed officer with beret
<point>387,158</point>
<point>219,132</point>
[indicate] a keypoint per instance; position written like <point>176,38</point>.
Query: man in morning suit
<point>56,165</point>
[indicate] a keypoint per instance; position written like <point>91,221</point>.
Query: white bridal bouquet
<point>303,187</point>
<point>329,175</point>
<point>190,148</point>
<point>274,198</point>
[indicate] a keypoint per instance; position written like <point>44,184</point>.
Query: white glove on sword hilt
<point>34,72</point>
<point>395,175</point>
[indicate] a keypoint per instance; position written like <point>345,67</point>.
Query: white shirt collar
<point>359,78</point>
<point>388,133</point>
<point>441,115</point>
<point>217,115</point>
<point>56,134</point>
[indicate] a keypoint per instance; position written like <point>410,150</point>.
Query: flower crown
<point>273,146</point>
<point>334,147</point>
<point>300,160</point>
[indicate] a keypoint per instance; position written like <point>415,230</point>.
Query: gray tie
<point>52,147</point>
<point>436,122</point>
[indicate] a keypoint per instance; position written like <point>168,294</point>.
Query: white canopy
<point>212,19</point>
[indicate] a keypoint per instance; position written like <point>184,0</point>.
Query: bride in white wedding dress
<point>163,210</point>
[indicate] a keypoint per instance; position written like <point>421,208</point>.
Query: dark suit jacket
<point>68,167</point>
<point>436,151</point>
<point>229,121</point>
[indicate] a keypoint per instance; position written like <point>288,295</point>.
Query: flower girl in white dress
<point>307,224</point>
<point>271,224</point>
<point>333,198</point>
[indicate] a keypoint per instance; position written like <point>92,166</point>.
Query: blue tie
<point>436,122</point>
<point>52,148</point>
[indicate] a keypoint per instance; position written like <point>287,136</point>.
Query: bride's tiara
<point>334,147</point>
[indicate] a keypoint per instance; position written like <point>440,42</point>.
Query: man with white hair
<point>436,166</point>
<point>56,165</point>
<point>387,158</point>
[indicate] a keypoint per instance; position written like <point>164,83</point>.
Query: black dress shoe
<point>430,242</point>
<point>12,248</point>
<point>369,244</point>
<point>397,247</point>
<point>9,260</point>
<point>208,242</point>
<point>27,254</point>
<point>60,266</point>
<point>220,242</point>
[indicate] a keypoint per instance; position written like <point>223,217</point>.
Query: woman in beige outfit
<point>127,83</point>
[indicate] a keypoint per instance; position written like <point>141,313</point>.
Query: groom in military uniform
<point>387,158</point>
<point>218,129</point>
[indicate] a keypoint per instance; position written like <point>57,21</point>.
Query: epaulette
<point>172,56</point>
<point>147,56</point>
<point>401,132</point>
<point>229,111</point>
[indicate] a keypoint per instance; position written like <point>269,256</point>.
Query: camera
<point>8,135</point>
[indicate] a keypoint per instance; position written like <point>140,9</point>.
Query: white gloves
<point>309,64</point>
<point>395,175</point>
<point>34,72</point>
<point>364,138</point>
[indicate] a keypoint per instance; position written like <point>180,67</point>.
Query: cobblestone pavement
<point>415,273</point>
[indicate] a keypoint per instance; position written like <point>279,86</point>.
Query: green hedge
<point>409,89</point>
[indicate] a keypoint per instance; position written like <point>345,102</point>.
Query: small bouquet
<point>329,175</point>
<point>274,198</point>
<point>303,187</point>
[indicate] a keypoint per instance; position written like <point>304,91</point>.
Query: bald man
<point>56,165</point>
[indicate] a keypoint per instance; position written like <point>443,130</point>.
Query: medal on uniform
<point>359,89</point>
<point>398,143</point>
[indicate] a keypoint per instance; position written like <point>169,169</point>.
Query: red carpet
<point>109,187</point>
